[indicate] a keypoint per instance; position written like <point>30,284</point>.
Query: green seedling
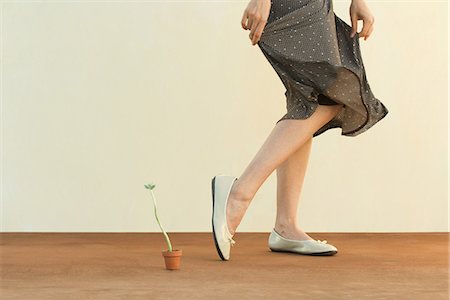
<point>150,187</point>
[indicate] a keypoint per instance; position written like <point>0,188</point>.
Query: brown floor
<point>130,266</point>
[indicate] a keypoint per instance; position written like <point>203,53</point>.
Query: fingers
<point>247,20</point>
<point>257,33</point>
<point>354,19</point>
<point>253,21</point>
<point>369,33</point>
<point>244,19</point>
<point>364,29</point>
<point>367,28</point>
<point>257,27</point>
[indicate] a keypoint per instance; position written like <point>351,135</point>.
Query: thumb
<point>354,25</point>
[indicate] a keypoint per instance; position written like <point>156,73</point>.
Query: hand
<point>360,11</point>
<point>255,18</point>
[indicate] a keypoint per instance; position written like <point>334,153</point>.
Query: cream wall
<point>99,98</point>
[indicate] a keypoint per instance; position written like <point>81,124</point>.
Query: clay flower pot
<point>172,259</point>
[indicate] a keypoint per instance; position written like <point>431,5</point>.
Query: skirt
<point>311,50</point>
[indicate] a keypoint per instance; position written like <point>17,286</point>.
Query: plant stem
<point>169,244</point>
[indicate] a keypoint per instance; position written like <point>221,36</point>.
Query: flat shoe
<point>278,243</point>
<point>221,186</point>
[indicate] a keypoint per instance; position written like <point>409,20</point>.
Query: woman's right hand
<point>255,18</point>
<point>360,11</point>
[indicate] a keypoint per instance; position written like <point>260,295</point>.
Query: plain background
<point>100,98</point>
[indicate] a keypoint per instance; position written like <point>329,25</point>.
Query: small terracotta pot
<point>172,259</point>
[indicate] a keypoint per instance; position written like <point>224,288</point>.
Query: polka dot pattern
<point>311,50</point>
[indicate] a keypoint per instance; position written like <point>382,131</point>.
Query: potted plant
<point>172,257</point>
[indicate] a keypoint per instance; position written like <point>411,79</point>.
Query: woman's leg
<point>286,138</point>
<point>290,178</point>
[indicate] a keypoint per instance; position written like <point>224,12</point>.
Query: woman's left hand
<point>255,18</point>
<point>360,11</point>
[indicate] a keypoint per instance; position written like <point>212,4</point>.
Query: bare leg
<point>286,138</point>
<point>290,178</point>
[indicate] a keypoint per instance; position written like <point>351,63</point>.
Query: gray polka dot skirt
<point>311,50</point>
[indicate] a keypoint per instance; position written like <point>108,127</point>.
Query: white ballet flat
<point>278,243</point>
<point>221,186</point>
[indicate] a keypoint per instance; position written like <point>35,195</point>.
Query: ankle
<point>286,226</point>
<point>239,194</point>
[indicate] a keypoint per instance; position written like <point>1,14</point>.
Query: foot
<point>292,233</point>
<point>237,205</point>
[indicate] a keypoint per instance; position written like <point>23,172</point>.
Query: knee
<point>337,108</point>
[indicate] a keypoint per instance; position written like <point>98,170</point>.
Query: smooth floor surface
<point>130,266</point>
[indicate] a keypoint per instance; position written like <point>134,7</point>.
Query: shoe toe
<point>320,246</point>
<point>312,247</point>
